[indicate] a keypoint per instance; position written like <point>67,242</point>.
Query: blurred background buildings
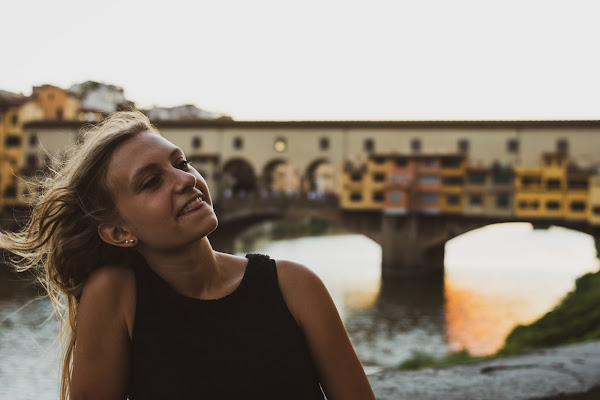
<point>544,172</point>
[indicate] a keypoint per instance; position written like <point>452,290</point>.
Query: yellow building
<point>12,115</point>
<point>577,198</point>
<point>528,191</point>
<point>56,103</point>
<point>363,186</point>
<point>46,103</point>
<point>594,200</point>
<point>453,179</point>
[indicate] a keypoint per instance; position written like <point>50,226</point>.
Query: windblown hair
<point>60,242</point>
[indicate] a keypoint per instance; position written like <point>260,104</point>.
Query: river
<point>496,277</point>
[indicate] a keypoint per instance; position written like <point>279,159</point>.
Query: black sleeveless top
<point>246,345</point>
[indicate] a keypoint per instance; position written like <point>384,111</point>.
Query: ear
<point>116,235</point>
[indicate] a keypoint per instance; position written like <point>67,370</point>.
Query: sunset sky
<point>276,59</point>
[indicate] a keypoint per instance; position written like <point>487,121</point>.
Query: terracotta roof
<point>9,99</point>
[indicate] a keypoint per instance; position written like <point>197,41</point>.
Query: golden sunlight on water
<point>480,321</point>
<point>504,275</point>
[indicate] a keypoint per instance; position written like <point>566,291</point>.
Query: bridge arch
<point>321,177</point>
<point>238,177</point>
<point>280,177</point>
<point>268,173</point>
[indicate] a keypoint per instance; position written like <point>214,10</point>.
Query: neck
<point>192,271</point>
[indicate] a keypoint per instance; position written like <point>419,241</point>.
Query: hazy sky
<point>307,59</point>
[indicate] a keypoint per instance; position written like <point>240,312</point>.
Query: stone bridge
<point>412,244</point>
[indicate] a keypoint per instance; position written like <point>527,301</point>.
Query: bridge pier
<point>407,249</point>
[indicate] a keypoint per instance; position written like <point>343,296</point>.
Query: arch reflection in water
<point>407,317</point>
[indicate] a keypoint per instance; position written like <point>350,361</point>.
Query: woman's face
<point>162,201</point>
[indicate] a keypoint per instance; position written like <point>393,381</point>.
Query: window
<point>59,113</point>
<point>502,200</point>
<point>15,119</point>
<point>502,178</point>
<point>475,200</point>
<point>476,179</point>
<point>355,197</point>
<point>369,145</point>
<point>397,178</point>
<point>552,205</point>
<point>463,146</point>
<point>429,162</point>
<point>596,210</point>
<point>453,181</point>
<point>196,142</point>
<point>512,146</point>
<point>379,177</point>
<point>400,162</point>
<point>452,199</point>
<point>379,160</point>
<point>280,145</point>
<point>429,198</point>
<point>562,146</point>
<point>238,143</point>
<point>453,162</point>
<point>378,197</point>
<point>530,180</point>
<point>395,197</point>
<point>12,141</point>
<point>553,184</point>
<point>356,176</point>
<point>33,139</point>
<point>428,179</point>
<point>523,204</point>
<point>577,206</point>
<point>534,204</point>
<point>415,145</point>
<point>581,184</point>
<point>324,143</point>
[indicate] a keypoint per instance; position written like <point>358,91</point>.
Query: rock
<point>567,372</point>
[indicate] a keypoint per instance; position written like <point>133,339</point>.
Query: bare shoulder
<point>302,290</point>
<point>111,289</point>
<point>104,325</point>
<point>110,278</point>
<point>110,282</point>
<point>294,275</point>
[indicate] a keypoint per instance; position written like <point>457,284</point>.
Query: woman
<point>119,235</point>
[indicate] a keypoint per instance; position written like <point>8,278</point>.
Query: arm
<point>341,373</point>
<point>104,325</point>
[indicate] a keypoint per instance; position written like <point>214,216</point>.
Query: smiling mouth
<point>192,205</point>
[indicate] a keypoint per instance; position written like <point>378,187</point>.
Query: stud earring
<point>132,241</point>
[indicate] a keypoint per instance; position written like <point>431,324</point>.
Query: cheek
<point>143,215</point>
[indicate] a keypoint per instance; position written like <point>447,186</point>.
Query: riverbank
<point>575,319</point>
<point>566,372</point>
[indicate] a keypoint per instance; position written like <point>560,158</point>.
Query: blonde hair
<point>60,242</point>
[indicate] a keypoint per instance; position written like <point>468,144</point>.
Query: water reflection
<point>407,316</point>
<point>503,275</point>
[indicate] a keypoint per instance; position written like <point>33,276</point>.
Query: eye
<point>152,182</point>
<point>184,164</point>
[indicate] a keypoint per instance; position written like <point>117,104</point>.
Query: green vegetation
<point>424,360</point>
<point>575,319</point>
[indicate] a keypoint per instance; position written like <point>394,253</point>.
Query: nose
<point>183,180</point>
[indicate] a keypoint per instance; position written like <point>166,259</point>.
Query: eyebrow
<point>149,167</point>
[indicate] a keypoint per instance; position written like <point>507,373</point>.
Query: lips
<point>191,205</point>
